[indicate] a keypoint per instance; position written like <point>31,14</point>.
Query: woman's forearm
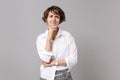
<point>52,63</point>
<point>48,45</point>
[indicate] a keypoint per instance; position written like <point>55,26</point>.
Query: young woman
<point>56,47</point>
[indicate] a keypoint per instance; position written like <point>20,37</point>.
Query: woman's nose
<point>54,18</point>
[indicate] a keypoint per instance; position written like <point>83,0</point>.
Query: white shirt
<point>63,47</point>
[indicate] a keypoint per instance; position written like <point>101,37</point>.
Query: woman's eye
<point>57,16</point>
<point>51,16</point>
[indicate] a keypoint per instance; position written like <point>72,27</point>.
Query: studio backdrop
<point>95,25</point>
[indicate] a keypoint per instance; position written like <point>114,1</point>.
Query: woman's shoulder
<point>40,36</point>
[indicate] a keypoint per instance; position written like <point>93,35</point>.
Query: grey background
<point>95,24</point>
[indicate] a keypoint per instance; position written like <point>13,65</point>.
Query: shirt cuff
<point>46,56</point>
<point>67,62</point>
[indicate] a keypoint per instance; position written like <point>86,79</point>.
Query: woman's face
<point>53,20</point>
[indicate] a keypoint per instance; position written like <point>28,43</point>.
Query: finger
<point>43,62</point>
<point>46,65</point>
<point>53,28</point>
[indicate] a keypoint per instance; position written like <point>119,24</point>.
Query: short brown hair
<point>57,10</point>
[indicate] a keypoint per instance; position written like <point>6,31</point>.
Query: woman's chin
<point>55,26</point>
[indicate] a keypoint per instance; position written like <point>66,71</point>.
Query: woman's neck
<point>55,33</point>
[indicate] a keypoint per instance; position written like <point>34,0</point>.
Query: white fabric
<point>46,56</point>
<point>63,47</point>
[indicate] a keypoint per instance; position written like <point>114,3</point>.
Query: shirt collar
<point>59,34</point>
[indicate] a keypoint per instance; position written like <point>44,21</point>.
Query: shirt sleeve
<point>43,54</point>
<point>71,60</point>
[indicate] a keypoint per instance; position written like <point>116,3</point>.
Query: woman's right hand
<point>50,33</point>
<point>50,38</point>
